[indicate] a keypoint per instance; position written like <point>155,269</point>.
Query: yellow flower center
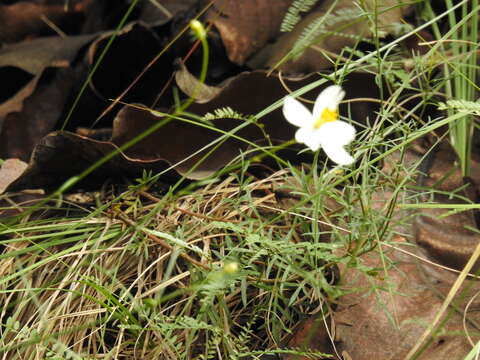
<point>327,115</point>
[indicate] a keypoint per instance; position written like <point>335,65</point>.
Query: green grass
<point>148,275</point>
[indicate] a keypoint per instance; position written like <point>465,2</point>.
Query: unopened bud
<point>198,29</point>
<point>231,267</point>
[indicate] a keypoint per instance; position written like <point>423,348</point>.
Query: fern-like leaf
<point>225,113</point>
<point>324,25</point>
<point>293,17</point>
<point>472,107</point>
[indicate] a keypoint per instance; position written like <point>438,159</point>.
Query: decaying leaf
<point>182,144</point>
<point>246,27</point>
<point>448,240</point>
<point>38,79</point>
<point>387,323</point>
<point>386,310</point>
<point>26,19</point>
<point>191,86</point>
<point>10,170</point>
<point>136,45</point>
<point>312,334</point>
<point>176,142</point>
<point>35,55</point>
<point>62,155</point>
<point>33,112</point>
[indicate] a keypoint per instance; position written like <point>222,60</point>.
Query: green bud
<point>198,29</point>
<point>230,268</point>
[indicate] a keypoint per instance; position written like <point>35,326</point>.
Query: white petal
<point>330,97</point>
<point>338,132</point>
<point>337,154</point>
<point>296,113</point>
<point>333,136</point>
<point>308,137</point>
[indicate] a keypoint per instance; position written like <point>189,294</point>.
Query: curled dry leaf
<point>182,144</point>
<point>195,89</point>
<point>136,45</point>
<point>39,79</point>
<point>176,143</point>
<point>62,155</point>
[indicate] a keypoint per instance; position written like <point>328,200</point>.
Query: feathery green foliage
<point>293,15</point>
<point>325,25</point>
<point>472,107</point>
<point>226,113</point>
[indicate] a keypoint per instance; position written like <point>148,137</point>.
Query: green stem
<point>98,62</point>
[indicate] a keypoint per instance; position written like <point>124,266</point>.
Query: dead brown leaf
<point>10,170</point>
<point>62,155</point>
<point>35,55</point>
<point>194,88</point>
<point>311,335</point>
<point>247,26</point>
<point>448,240</point>
<point>386,323</point>
<point>26,19</point>
<point>133,49</point>
<point>38,79</point>
<point>33,112</point>
<point>178,142</point>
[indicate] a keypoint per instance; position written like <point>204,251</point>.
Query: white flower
<point>322,128</point>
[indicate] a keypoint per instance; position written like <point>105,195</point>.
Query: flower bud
<point>198,29</point>
<point>230,268</point>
